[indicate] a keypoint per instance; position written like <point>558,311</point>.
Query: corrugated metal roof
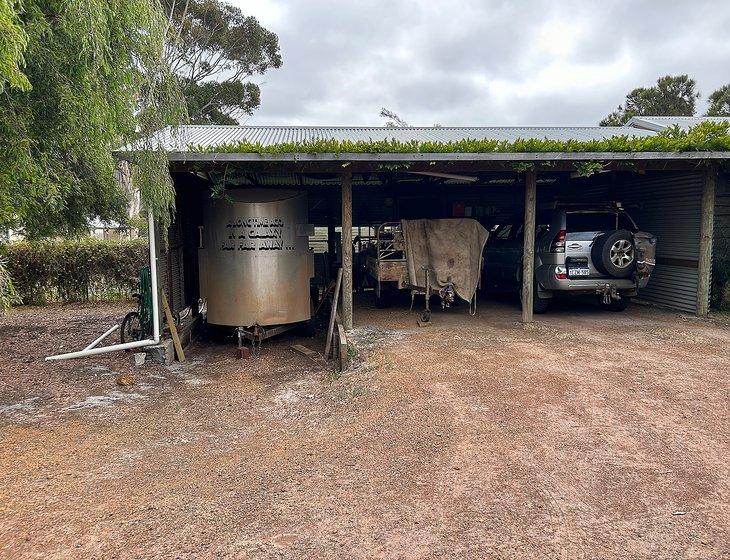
<point>210,136</point>
<point>657,123</point>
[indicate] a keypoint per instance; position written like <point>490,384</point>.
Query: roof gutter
<point>420,156</point>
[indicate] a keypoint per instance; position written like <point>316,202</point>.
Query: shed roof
<point>657,124</point>
<point>227,143</point>
<point>206,137</point>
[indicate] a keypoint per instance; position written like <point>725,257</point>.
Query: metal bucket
<point>255,262</point>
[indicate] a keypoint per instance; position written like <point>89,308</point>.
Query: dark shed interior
<point>663,198</point>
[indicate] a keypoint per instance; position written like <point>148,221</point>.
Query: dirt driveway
<point>587,435</point>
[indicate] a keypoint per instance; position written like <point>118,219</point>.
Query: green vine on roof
<point>587,168</point>
<point>523,166</point>
<point>705,137</point>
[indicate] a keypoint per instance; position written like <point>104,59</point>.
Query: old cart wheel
<point>132,327</point>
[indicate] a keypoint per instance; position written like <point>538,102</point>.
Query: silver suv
<point>579,250</point>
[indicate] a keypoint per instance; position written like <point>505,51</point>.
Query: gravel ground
<point>585,435</point>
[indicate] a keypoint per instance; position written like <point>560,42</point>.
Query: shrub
<point>74,270</point>
<point>8,295</point>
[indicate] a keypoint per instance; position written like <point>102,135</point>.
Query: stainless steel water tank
<point>254,260</point>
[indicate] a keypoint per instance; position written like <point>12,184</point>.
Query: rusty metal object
<point>255,262</point>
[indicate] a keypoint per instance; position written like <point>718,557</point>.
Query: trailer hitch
<point>608,292</point>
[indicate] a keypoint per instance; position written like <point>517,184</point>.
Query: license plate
<point>578,272</point>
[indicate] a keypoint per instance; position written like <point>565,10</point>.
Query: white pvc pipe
<point>90,351</point>
<point>102,350</point>
<point>153,274</point>
<point>102,337</point>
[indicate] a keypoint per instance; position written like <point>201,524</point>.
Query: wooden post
<point>704,266</point>
<point>528,253</point>
<point>347,250</point>
<point>331,245</point>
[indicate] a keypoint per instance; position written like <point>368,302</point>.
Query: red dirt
<point>587,435</point>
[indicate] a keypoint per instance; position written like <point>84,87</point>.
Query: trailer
<point>387,264</point>
<point>415,255</point>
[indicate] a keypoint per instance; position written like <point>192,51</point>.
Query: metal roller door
<point>669,206</point>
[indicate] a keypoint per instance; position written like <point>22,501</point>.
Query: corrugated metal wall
<point>721,245</point>
<point>669,206</point>
<point>175,275</point>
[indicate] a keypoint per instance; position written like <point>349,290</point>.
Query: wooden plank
<point>347,250</point>
<point>704,264</point>
<point>173,329</point>
<point>326,292</point>
<point>528,253</point>
<point>342,348</point>
<point>304,351</point>
<point>550,167</point>
<point>333,312</point>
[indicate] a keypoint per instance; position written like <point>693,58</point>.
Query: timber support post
<point>347,251</point>
<point>528,253</point>
<point>704,265</point>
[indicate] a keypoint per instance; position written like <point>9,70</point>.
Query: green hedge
<point>74,270</point>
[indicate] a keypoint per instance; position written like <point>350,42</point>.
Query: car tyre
<point>539,305</point>
<point>614,253</point>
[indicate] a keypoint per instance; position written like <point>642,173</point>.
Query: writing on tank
<point>257,233</point>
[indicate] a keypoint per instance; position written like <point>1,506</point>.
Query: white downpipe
<point>90,350</point>
<point>102,337</point>
<point>153,274</point>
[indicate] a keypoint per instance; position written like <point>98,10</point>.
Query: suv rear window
<point>590,221</point>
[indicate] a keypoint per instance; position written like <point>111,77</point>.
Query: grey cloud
<point>483,62</point>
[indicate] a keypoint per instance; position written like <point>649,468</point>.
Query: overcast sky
<point>536,62</point>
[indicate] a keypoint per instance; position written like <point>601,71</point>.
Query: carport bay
<point>669,194</point>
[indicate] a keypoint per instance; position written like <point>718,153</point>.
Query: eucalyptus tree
<point>720,102</point>
<point>215,49</point>
<point>672,96</point>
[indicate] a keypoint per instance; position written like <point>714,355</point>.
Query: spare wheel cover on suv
<point>614,253</point>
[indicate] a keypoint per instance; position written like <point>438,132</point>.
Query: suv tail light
<point>558,244</point>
